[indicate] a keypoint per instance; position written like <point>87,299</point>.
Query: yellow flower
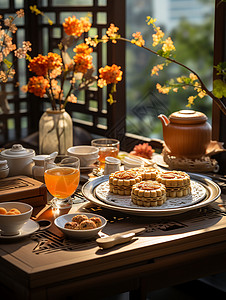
<point>35,10</point>
<point>168,45</point>
<point>150,20</point>
<point>105,38</point>
<point>162,89</point>
<point>191,101</point>
<point>155,69</point>
<point>179,79</point>
<point>157,37</point>
<point>202,94</point>
<point>91,42</point>
<point>193,77</point>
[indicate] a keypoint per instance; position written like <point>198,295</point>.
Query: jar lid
<point>187,117</point>
<point>17,151</point>
<point>112,160</point>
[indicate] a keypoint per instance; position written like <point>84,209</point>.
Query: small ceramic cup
<point>112,165</point>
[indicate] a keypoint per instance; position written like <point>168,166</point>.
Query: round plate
<point>212,193</point>
<point>28,228</point>
<point>198,192</point>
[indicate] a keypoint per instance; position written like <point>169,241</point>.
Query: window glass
<point>190,24</point>
<point>72,2</point>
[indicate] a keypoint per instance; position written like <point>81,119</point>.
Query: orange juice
<point>62,182</point>
<point>107,151</point>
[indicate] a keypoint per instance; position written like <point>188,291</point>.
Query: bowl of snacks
<point>13,215</point>
<point>80,225</point>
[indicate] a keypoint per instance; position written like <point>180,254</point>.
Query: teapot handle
<point>165,121</point>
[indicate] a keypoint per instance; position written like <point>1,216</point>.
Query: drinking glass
<point>62,178</point>
<point>107,147</point>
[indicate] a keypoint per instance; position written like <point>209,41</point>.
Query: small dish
<point>79,234</point>
<point>44,224</point>
<point>28,228</point>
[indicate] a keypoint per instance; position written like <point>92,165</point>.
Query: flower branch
<point>167,53</point>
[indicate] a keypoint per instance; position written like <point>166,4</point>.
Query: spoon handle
<point>118,238</point>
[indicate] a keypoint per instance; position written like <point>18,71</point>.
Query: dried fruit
<point>143,150</point>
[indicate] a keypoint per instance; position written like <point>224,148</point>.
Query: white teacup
<point>87,154</point>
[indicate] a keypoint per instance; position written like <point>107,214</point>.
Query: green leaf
<point>219,88</point>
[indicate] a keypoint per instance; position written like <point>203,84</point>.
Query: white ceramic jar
<point>38,169</point>
<point>112,165</point>
<point>19,160</point>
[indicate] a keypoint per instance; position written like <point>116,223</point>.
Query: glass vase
<point>55,132</point>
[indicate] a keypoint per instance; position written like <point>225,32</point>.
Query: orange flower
<point>83,62</point>
<point>56,89</point>
<point>112,32</point>
<point>109,75</point>
<point>72,98</point>
<point>86,25</point>
<point>38,85</point>
<point>138,39</point>
<point>54,61</point>
<point>162,89</point>
<point>74,26</point>
<point>39,65</point>
<point>83,49</point>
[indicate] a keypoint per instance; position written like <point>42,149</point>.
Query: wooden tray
<point>23,189</point>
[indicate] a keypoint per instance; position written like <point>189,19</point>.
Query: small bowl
<point>132,162</point>
<point>87,154</point>
<point>11,224</point>
<point>79,234</point>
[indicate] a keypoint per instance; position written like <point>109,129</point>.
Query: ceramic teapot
<point>186,133</point>
<point>19,160</point>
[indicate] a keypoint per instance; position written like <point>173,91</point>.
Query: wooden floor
<point>187,291</point>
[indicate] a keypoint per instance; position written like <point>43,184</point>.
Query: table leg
<point>140,294</point>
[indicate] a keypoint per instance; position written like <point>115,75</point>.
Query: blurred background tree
<point>193,38</point>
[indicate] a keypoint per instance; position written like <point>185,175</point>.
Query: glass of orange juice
<point>107,147</point>
<point>62,178</point>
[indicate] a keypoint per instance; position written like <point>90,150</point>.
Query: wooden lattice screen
<point>92,111</point>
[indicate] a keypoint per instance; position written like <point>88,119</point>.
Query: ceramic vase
<point>55,132</point>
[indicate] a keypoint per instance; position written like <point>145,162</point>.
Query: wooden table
<point>172,250</point>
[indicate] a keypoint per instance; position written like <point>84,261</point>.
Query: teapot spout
<point>165,121</point>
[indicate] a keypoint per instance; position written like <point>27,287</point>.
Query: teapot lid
<point>187,117</point>
<point>17,151</point>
